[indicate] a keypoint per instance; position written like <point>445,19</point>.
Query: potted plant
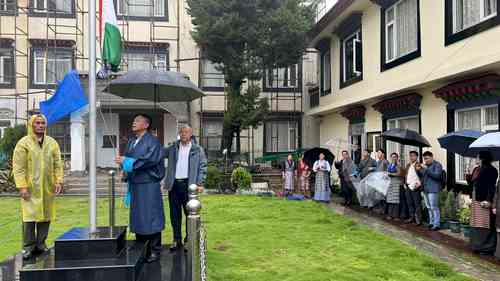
<point>451,212</point>
<point>464,218</point>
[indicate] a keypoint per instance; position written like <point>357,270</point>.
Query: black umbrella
<point>459,142</point>
<point>312,155</point>
<point>154,85</point>
<point>406,137</point>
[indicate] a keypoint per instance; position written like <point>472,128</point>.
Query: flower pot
<point>466,229</point>
<point>454,226</point>
<point>445,224</point>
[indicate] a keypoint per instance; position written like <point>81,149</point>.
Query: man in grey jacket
<point>431,176</point>
<point>187,164</point>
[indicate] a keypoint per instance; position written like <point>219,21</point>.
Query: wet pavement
<point>452,250</point>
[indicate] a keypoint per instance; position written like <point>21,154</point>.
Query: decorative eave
<point>52,43</point>
<point>355,114</point>
<point>409,102</point>
<point>484,86</point>
<point>6,43</point>
<point>137,44</point>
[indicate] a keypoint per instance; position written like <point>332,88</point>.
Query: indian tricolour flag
<point>112,44</point>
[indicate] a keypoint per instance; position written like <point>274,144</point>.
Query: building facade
<point>429,66</point>
<point>41,41</point>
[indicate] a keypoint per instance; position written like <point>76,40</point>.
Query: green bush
<point>241,179</point>
<point>450,206</point>
<point>9,140</point>
<point>464,215</point>
<point>214,177</point>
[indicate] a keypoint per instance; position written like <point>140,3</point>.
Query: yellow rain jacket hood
<point>38,168</point>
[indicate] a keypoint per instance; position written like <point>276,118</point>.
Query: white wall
<point>110,125</point>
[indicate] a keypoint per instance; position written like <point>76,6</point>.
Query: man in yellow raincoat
<point>38,173</point>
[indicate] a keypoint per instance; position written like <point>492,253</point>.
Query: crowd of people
<point>408,186</point>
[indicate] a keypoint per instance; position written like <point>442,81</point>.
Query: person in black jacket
<point>483,180</point>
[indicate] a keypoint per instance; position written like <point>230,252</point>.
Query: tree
<point>245,37</point>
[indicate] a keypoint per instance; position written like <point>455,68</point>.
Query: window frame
<point>355,36</point>
<point>42,85</point>
<point>323,55</point>
<point>298,132</point>
<point>7,11</point>
<point>484,128</point>
<point>396,61</point>
<point>119,16</point>
<point>145,50</point>
<point>35,12</point>
<point>12,83</point>
<point>450,23</point>
<point>400,147</point>
<point>283,89</point>
<point>202,73</point>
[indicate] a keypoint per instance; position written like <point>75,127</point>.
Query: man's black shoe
<point>430,226</point>
<point>40,250</point>
<point>435,228</point>
<point>153,258</point>
<point>177,245</point>
<point>27,255</point>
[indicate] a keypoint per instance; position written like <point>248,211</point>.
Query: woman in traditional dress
<point>496,206</point>
<point>393,199</point>
<point>321,189</point>
<point>483,180</point>
<point>304,172</point>
<point>289,172</point>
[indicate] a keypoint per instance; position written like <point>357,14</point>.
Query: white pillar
<point>78,161</point>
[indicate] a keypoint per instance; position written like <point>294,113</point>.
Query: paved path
<point>429,242</point>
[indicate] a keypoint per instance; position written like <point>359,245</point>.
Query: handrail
<point>111,197</point>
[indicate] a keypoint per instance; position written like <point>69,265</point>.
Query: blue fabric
<point>432,204</point>
<point>296,197</point>
<point>392,168</point>
<point>146,201</point>
<point>69,97</point>
<point>128,196</point>
<point>128,164</point>
<point>431,177</point>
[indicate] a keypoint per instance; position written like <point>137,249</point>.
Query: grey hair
<point>185,126</point>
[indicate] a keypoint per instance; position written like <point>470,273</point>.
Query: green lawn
<point>252,238</point>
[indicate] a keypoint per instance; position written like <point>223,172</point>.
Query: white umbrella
<point>489,142</point>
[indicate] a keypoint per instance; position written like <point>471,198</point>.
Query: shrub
<point>214,177</point>
<point>464,215</point>
<point>450,206</point>
<point>9,140</point>
<point>241,179</point>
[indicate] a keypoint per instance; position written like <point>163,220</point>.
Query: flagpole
<point>92,118</point>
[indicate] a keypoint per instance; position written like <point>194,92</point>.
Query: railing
<point>196,261</point>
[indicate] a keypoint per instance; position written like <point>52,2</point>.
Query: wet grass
<point>251,238</point>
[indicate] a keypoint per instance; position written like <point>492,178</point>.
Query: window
<point>352,58</point>
<point>281,136</point>
<point>50,67</point>
<point>283,77</point>
<point>326,73</point>
<point>401,29</point>
<point>480,119</point>
<point>53,6</point>
<point>7,5</point>
<point>61,132</point>
<point>211,76</point>
<point>5,120</point>
<point>7,73</point>
<point>109,141</point>
<point>467,13</point>
<point>411,123</point>
<point>143,59</point>
<point>142,8</point>
<point>212,135</point>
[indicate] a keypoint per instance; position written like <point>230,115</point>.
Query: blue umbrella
<point>459,142</point>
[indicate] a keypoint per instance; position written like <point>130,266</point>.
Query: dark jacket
<point>496,203</point>
<point>431,177</point>
<point>197,164</point>
<point>367,166</point>
<point>149,166</point>
<point>484,184</point>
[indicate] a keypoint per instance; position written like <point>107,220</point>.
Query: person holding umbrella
<point>321,187</point>
<point>431,175</point>
<point>483,180</point>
